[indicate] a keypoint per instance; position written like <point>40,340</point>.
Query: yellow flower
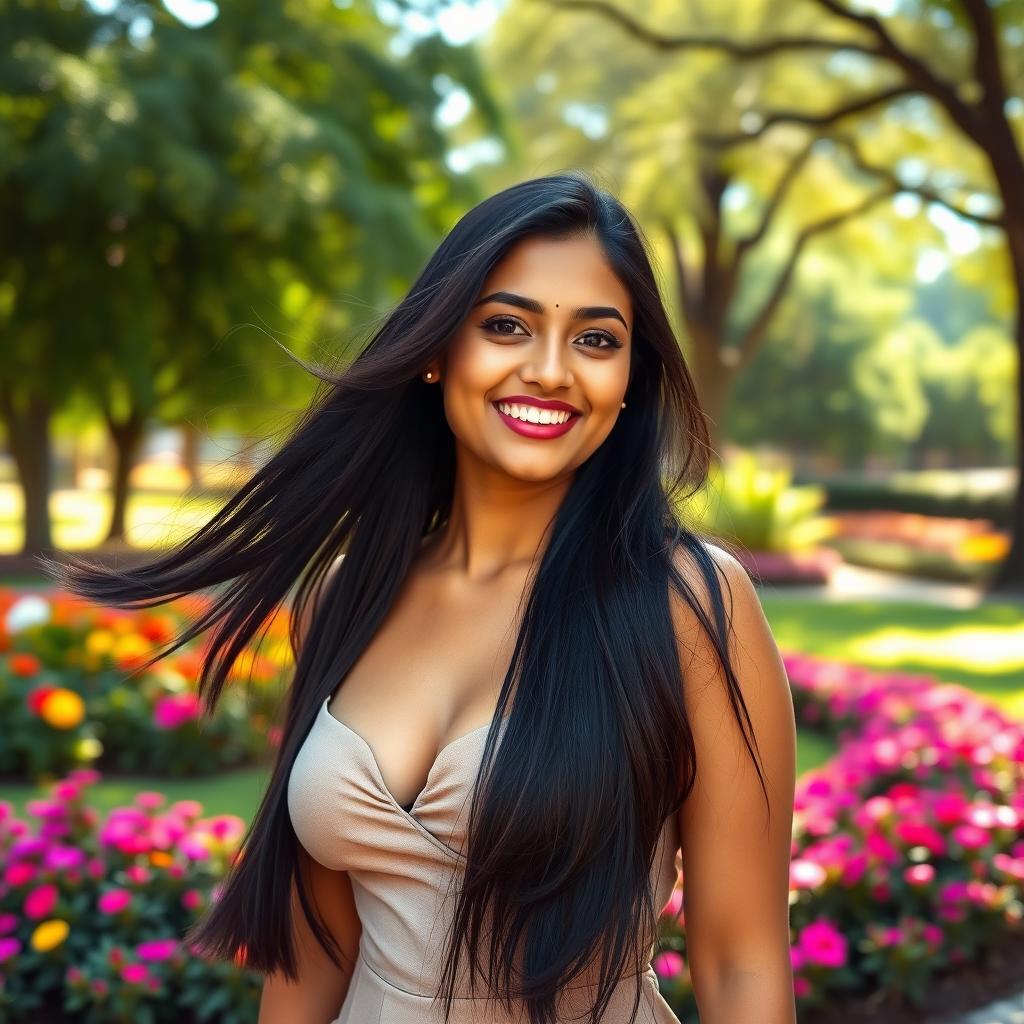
<point>131,645</point>
<point>62,709</point>
<point>99,641</point>
<point>49,935</point>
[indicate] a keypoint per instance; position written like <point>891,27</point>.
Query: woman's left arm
<point>736,863</point>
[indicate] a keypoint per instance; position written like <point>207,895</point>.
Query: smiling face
<point>552,325</point>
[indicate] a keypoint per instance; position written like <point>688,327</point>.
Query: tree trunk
<point>1009,577</point>
<point>126,436</point>
<point>191,440</point>
<point>28,433</point>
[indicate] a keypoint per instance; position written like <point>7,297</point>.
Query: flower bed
<point>908,846</point>
<point>70,695</point>
<point>907,860</point>
<point>92,912</point>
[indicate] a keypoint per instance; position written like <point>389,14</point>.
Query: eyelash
<point>613,342</point>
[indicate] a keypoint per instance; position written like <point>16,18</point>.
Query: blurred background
<point>834,194</point>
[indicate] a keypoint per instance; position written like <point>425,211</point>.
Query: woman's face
<point>552,323</point>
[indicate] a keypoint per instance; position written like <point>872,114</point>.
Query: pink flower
<point>8,922</point>
<point>970,837</point>
<point>150,800</point>
<point>668,964</point>
<point>66,791</point>
<point>135,974</point>
<point>801,987</point>
<point>40,901</point>
<point>99,987</point>
<point>20,874</point>
<point>823,944</point>
<point>174,710</point>
<point>674,904</point>
<point>137,874</point>
<point>806,874</point>
<point>9,947</point>
<point>156,949</point>
<point>191,899</point>
<point>919,874</point>
<point>114,901</point>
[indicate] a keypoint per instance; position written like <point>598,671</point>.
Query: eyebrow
<point>583,313</point>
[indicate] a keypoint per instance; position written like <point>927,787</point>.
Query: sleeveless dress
<point>400,861</point>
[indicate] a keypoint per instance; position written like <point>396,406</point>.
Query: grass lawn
<point>982,648</point>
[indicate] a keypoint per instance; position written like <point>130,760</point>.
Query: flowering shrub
<point>908,846</point>
<point>68,695</point>
<point>92,912</point>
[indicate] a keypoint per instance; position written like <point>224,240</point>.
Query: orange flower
<point>160,859</point>
<point>62,709</point>
<point>24,665</point>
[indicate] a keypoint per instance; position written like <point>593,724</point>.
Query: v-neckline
<point>430,771</point>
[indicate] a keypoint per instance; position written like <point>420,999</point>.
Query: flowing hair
<point>567,810</point>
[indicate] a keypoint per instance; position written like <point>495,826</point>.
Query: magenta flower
<point>40,901</point>
<point>20,874</point>
<point>157,949</point>
<point>174,710</point>
<point>9,947</point>
<point>823,944</point>
<point>8,922</point>
<point>668,964</point>
<point>114,901</point>
<point>135,974</point>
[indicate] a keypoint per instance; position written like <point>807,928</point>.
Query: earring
<point>429,375</point>
<point>623,405</point>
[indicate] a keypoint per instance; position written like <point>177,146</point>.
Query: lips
<point>537,431</point>
<point>540,403</point>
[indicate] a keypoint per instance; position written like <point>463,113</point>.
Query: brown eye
<point>612,341</point>
<point>496,322</point>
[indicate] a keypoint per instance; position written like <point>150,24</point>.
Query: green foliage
<point>754,505</point>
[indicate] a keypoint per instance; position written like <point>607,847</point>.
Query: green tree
<point>952,74</point>
<point>161,188</point>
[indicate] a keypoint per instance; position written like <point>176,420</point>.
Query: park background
<point>195,198</point>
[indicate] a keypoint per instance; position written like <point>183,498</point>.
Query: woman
<point>519,682</point>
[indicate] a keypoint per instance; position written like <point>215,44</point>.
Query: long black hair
<point>597,750</point>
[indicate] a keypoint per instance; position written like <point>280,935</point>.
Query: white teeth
<point>531,414</point>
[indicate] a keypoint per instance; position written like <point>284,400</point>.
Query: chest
<point>429,677</point>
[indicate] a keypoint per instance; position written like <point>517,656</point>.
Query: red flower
<point>24,665</point>
<point>35,698</point>
<point>156,628</point>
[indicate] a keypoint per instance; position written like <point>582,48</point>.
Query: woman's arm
<point>736,865</point>
<point>320,990</point>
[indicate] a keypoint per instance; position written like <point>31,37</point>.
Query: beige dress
<point>400,863</point>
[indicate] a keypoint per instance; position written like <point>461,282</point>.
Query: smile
<point>530,421</point>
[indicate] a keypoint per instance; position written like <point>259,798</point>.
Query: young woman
<point>522,685</point>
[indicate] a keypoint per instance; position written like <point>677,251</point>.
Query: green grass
<point>236,792</point>
<point>981,648</point>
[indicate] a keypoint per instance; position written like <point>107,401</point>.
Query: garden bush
<point>70,695</point>
<point>92,911</point>
<point>908,845</point>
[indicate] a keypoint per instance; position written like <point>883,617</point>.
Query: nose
<point>547,366</point>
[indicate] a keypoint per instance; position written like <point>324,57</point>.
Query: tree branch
<point>772,118</point>
<point>987,68</point>
<point>758,327</point>
<point>927,194</point>
<point>775,200</point>
<point>746,51</point>
<point>917,72</point>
